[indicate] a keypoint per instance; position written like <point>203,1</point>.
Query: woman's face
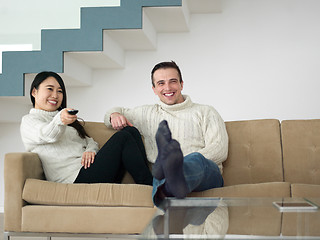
<point>48,96</point>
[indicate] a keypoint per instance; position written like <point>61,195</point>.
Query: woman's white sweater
<point>59,147</point>
<point>198,128</point>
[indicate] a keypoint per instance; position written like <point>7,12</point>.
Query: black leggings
<point>123,151</point>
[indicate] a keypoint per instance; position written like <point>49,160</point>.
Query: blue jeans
<point>200,174</point>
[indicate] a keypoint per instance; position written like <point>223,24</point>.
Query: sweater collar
<point>179,106</point>
<point>43,112</point>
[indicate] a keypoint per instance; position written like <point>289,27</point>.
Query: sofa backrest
<point>301,150</point>
<point>99,132</point>
<point>254,152</point>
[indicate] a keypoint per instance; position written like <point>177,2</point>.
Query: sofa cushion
<point>62,219</point>
<point>305,190</point>
<point>293,224</point>
<point>258,190</point>
<point>301,150</point>
<point>250,219</point>
<point>101,194</point>
<point>254,152</point>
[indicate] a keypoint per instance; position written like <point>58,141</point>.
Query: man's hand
<point>119,121</point>
<point>87,159</point>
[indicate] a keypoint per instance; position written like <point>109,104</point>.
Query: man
<point>187,156</point>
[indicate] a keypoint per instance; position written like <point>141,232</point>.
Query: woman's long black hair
<point>39,78</point>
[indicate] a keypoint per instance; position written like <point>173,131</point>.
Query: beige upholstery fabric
<point>301,151</point>
<point>59,194</point>
<point>253,169</point>
<point>305,190</point>
<point>17,168</point>
<point>301,160</point>
<point>272,189</point>
<point>99,132</point>
<point>117,220</point>
<point>301,224</point>
<point>254,219</point>
<point>254,152</point>
<point>293,224</point>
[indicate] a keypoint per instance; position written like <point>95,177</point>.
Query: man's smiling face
<point>167,86</point>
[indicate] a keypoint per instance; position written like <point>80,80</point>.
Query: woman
<point>67,153</point>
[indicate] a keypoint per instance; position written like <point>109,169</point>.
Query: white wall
<point>21,21</point>
<point>257,59</point>
<point>20,26</point>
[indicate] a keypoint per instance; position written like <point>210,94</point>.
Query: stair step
<point>136,39</point>
<point>88,38</point>
<point>112,55</point>
<point>169,19</point>
<point>74,56</point>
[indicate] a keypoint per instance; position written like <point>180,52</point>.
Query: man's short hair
<point>165,65</point>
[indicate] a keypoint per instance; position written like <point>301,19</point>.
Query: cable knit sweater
<point>198,128</point>
<point>59,147</point>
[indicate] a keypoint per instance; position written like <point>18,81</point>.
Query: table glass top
<point>234,218</point>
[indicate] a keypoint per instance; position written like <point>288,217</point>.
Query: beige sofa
<point>266,159</point>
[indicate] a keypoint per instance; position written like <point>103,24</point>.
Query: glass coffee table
<point>236,218</point>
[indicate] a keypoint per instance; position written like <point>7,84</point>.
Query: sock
<point>173,170</point>
<point>163,136</point>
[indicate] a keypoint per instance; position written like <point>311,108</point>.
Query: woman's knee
<point>121,135</point>
<point>133,131</point>
<point>130,129</point>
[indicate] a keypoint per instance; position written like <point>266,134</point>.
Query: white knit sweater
<point>198,128</point>
<point>59,147</point>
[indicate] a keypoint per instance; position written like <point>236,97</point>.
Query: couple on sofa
<point>187,156</point>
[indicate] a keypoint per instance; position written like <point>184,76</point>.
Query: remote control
<point>73,111</point>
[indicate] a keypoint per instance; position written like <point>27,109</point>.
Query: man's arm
<point>216,137</point>
<point>118,121</point>
<point>115,118</point>
<point>119,118</point>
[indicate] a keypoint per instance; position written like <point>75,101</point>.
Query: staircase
<point>101,42</point>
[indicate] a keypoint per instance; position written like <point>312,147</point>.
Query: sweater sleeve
<point>36,130</point>
<point>137,116</point>
<point>215,135</point>
<point>92,146</point>
<point>108,115</point>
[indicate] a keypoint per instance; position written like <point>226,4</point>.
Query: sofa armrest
<point>17,168</point>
